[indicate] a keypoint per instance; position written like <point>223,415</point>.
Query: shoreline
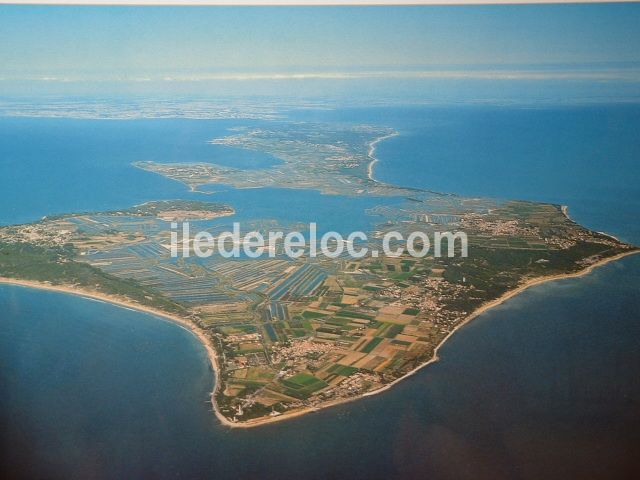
<point>194,329</point>
<point>372,151</point>
<point>213,359</point>
<point>434,358</point>
<point>565,211</point>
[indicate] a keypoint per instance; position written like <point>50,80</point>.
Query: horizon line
<point>531,73</point>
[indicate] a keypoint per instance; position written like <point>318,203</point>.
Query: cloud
<point>629,74</point>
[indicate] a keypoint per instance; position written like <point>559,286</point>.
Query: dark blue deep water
<point>544,386</point>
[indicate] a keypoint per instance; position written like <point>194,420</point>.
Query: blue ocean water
<point>66,165</point>
<point>63,165</point>
<point>583,157</point>
<point>544,386</point>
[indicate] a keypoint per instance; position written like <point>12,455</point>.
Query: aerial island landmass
<point>288,336</point>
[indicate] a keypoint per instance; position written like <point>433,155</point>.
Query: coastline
<point>434,358</point>
<point>125,303</point>
<point>498,301</point>
<point>565,211</point>
<point>372,151</point>
<point>213,359</point>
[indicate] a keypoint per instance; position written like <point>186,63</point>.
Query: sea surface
<point>544,386</point>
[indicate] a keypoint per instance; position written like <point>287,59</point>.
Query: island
<point>288,336</point>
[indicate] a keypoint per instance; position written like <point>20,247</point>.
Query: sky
<point>158,45</point>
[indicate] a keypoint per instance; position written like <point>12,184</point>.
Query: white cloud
<point>632,75</point>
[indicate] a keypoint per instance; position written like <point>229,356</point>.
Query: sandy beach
<point>372,151</point>
<point>435,357</point>
<point>213,359</point>
<point>126,303</point>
